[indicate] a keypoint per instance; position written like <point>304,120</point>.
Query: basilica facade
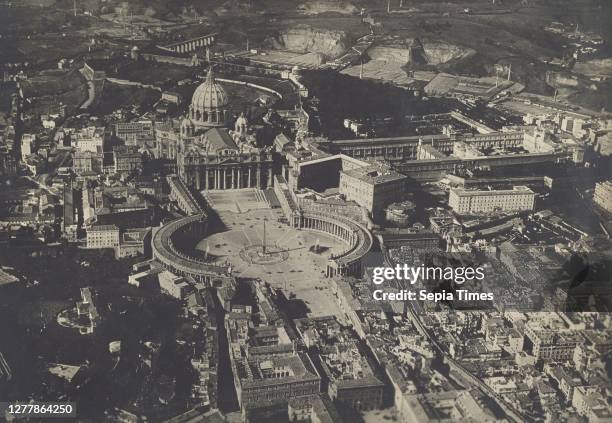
<point>208,155</point>
<point>217,161</point>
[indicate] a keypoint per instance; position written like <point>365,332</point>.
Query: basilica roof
<point>220,139</point>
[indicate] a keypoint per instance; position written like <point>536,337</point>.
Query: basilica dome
<point>209,104</point>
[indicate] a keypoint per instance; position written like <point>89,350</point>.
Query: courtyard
<point>288,263</point>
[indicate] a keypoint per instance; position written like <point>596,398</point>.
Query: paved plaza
<point>238,201</point>
<point>289,263</point>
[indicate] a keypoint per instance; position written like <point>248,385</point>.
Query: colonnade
<point>212,116</point>
<point>335,269</point>
<point>358,242</point>
<point>166,148</point>
<point>232,177</point>
<point>171,243</point>
<point>189,46</point>
<point>332,228</point>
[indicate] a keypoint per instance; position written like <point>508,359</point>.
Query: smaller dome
<point>242,120</point>
<point>241,125</point>
<point>187,127</point>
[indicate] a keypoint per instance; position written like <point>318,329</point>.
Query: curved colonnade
<point>358,238</point>
<point>166,244</point>
<point>169,242</point>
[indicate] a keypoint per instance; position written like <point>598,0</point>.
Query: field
<point>510,33</point>
<point>152,73</point>
<point>598,100</point>
<point>48,89</point>
<point>387,71</point>
<point>115,96</point>
<point>601,67</point>
<point>343,96</point>
<point>506,35</point>
<point>284,57</point>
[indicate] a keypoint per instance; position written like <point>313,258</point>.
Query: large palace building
<point>464,201</point>
<point>207,154</point>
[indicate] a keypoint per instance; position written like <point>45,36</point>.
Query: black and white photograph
<point>306,211</point>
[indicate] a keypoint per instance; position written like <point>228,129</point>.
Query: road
<point>41,180</point>
<point>91,92</point>
<point>40,185</point>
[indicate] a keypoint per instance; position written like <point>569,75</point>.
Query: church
<point>209,155</point>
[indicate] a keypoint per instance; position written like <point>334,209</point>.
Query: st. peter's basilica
<point>209,155</point>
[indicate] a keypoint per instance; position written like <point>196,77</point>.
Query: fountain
<point>316,248</point>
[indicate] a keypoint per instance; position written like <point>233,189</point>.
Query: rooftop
<point>520,189</point>
<point>103,228</point>
<point>7,278</point>
<point>374,174</point>
<point>300,366</point>
<point>220,139</point>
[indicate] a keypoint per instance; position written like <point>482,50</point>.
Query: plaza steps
<point>260,196</point>
<point>271,199</point>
